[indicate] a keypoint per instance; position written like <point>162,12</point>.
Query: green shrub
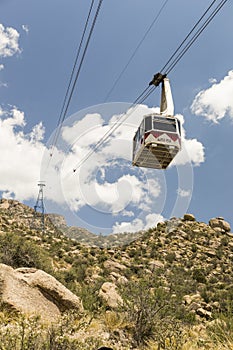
<point>221,329</point>
<point>170,257</point>
<point>31,334</point>
<point>20,252</point>
<point>194,248</point>
<point>151,311</point>
<point>199,275</point>
<point>89,294</point>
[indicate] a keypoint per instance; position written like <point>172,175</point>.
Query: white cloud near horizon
<point>151,220</point>
<point>20,156</point>
<point>9,41</point>
<point>216,102</point>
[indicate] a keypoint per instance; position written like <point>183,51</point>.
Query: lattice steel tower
<point>39,210</point>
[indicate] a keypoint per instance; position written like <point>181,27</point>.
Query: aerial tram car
<point>158,138</point>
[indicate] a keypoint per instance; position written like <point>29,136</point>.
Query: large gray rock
<point>219,223</point>
<point>204,313</point>
<point>33,291</point>
<point>108,292</point>
<point>4,204</point>
<point>190,298</point>
<point>189,217</point>
<point>155,264</point>
<point>111,265</point>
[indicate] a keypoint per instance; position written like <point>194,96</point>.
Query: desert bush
<point>114,321</point>
<point>18,251</point>
<point>199,275</point>
<point>225,241</point>
<point>194,248</point>
<point>89,294</point>
<point>169,334</point>
<point>181,282</point>
<point>31,334</point>
<point>170,257</point>
<point>220,330</point>
<point>220,252</point>
<point>142,305</point>
<point>154,311</point>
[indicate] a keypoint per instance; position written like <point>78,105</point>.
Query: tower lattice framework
<point>39,209</point>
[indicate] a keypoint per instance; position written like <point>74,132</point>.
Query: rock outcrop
<point>110,295</point>
<point>111,265</point>
<point>33,291</point>
<point>219,224</point>
<point>189,217</point>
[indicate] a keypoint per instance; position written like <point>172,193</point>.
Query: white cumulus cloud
<point>212,80</point>
<point>183,193</point>
<point>192,150</point>
<point>9,41</point>
<point>20,156</point>
<point>215,102</point>
<point>25,27</point>
<point>151,220</point>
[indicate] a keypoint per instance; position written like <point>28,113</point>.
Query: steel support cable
<point>188,35</point>
<point>79,69</point>
<point>194,38</point>
<point>72,73</point>
<point>136,49</point>
<point>58,129</point>
<point>115,126</point>
<point>145,95</point>
<point>104,138</point>
<point>148,94</point>
<point>141,96</point>
<point>83,55</point>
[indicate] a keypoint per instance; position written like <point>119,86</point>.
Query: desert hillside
<point>170,287</point>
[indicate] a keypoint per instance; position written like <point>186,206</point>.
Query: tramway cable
<point>83,56</point>
<point>72,74</point>
<point>187,36</point>
<point>185,49</point>
<point>65,108</point>
<point>136,49</point>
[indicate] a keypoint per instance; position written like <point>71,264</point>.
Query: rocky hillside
<point>17,214</point>
<point>168,288</point>
<point>86,237</point>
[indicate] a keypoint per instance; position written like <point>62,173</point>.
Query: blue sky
<point>36,58</point>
